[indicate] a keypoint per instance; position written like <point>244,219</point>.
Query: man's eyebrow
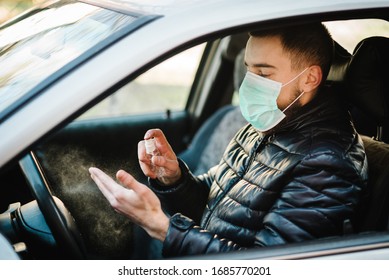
<point>260,65</point>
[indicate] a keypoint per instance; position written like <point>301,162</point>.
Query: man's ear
<point>313,78</point>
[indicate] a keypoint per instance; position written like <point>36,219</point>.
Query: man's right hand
<point>167,159</point>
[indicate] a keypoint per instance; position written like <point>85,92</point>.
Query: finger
<point>154,133</point>
<point>129,181</point>
<point>161,142</point>
<point>169,164</point>
<point>105,183</point>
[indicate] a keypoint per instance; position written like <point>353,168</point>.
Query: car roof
<point>162,7</point>
<point>171,7</point>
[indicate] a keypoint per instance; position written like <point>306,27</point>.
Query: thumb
<point>128,180</point>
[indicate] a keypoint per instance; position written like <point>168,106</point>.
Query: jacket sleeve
<point>184,238</point>
<point>188,196</point>
<point>322,193</point>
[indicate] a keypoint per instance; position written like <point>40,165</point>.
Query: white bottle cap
<point>150,146</point>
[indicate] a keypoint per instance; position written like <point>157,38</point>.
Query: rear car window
<point>348,33</point>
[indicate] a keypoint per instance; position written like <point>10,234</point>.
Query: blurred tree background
<point>11,8</point>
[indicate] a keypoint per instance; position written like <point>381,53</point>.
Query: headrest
<point>368,78</point>
<point>340,62</point>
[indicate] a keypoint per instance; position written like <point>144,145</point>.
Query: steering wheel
<point>57,217</point>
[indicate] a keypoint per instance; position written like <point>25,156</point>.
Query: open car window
<point>165,87</point>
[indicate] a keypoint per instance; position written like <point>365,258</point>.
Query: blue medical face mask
<point>258,101</point>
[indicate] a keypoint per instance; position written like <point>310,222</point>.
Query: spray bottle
<point>152,150</point>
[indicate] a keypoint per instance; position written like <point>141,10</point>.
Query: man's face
<point>265,57</point>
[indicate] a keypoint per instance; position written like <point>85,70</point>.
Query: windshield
<point>35,47</point>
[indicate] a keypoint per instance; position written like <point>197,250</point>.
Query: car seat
<point>368,88</point>
<point>368,92</point>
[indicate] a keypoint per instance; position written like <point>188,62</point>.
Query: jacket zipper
<point>262,142</point>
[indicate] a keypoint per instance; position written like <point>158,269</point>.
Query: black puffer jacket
<point>298,183</point>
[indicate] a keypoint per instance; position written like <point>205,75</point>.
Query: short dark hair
<point>308,44</point>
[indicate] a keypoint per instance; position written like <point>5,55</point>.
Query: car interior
<point>64,157</point>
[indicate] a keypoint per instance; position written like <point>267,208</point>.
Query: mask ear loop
<point>297,98</point>
<point>284,85</point>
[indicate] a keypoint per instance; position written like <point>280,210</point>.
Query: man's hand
<point>167,159</point>
<point>134,200</point>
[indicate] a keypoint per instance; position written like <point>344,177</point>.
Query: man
<point>294,173</point>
